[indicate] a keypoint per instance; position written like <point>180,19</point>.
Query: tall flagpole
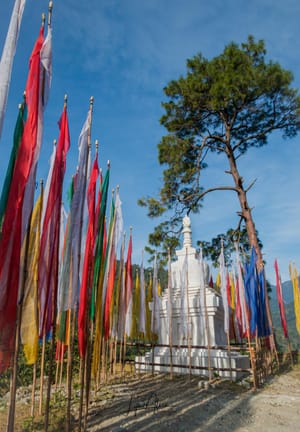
<point>205,315</point>
<point>170,313</point>
<point>13,385</point>
<point>72,315</point>
<point>36,311</point>
<point>84,359</point>
<point>54,303</point>
<point>188,313</point>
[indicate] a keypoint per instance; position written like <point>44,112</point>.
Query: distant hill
<point>288,300</point>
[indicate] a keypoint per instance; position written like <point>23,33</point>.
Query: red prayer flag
<point>49,249</point>
<point>128,280</point>
<point>280,301</point>
<point>10,241</point>
<point>87,272</point>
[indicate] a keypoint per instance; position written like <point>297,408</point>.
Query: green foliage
<point>212,249</point>
<point>224,105</point>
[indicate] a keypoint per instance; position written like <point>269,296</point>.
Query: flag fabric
<point>99,270</point>
<point>135,306</point>
<point>99,257</point>
<point>18,132</point>
<point>169,296</point>
<point>88,259</point>
<point>183,300</point>
<point>240,294</point>
<point>251,287</point>
<point>49,248</point>
<point>120,311</point>
<point>155,300</point>
<point>128,288</point>
<point>7,58</point>
<point>232,291</point>
<point>108,264</point>
<point>29,323</point>
<point>117,228</point>
<point>263,328</point>
<point>202,294</point>
<point>280,300</point>
<point>223,288</point>
<point>295,283</point>
<point>149,298</point>
<point>142,311</point>
<point>10,242</point>
<point>71,265</point>
<point>45,70</point>
<point>238,310</point>
<point>64,245</point>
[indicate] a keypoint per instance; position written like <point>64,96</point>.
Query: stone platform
<point>220,359</point>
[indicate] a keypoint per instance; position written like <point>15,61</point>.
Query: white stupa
<point>191,322</point>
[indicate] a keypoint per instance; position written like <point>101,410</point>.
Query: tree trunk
<point>251,231</point>
<point>245,209</point>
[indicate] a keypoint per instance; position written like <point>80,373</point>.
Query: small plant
<point>31,424</point>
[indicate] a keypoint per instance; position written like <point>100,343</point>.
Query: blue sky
<point>124,53</point>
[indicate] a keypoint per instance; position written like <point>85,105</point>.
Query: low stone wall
<point>199,361</point>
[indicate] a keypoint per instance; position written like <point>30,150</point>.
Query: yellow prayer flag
<point>29,324</point>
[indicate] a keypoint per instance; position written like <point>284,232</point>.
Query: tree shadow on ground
<point>182,406</point>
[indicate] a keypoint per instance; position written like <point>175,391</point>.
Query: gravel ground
<point>159,404</point>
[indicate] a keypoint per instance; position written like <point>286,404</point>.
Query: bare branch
<point>250,186</point>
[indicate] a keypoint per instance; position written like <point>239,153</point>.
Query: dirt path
<point>178,405</point>
<point>183,406</point>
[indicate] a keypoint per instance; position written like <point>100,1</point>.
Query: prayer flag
<point>10,242</point>
<point>49,248</point>
<point>9,50</point>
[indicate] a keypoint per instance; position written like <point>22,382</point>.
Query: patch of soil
<point>161,404</point>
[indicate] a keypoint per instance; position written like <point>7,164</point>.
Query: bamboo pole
<point>84,362</point>
<point>73,313</point>
<point>36,314</point>
<point>33,390</point>
<point>50,372</point>
<point>124,355</point>
<point>42,375</point>
<point>188,314</point>
<point>170,307</point>
<point>115,355</point>
<point>207,334</point>
<point>57,372</point>
<point>13,382</point>
<point>81,376</point>
<point>290,351</point>
<point>111,353</point>
<point>61,361</point>
<point>152,335</point>
<point>72,323</point>
<point>229,355</point>
<point>53,323</point>
<point>87,375</point>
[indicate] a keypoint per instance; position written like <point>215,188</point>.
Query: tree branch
<point>250,185</point>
